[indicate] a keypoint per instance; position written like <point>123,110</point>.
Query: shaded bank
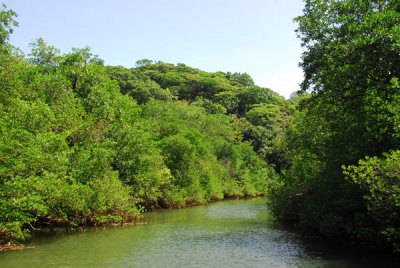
<point>224,234</point>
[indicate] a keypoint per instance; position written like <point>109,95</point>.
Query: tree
<point>84,144</point>
<point>43,55</point>
<point>143,62</point>
<point>351,59</point>
<point>379,179</point>
<point>7,23</point>
<point>242,78</point>
<point>351,63</point>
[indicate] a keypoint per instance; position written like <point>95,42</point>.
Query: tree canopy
<point>86,144</point>
<point>351,66</point>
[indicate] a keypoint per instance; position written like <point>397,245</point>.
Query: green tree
<point>379,180</point>
<point>44,55</point>
<point>143,62</point>
<point>242,78</point>
<point>7,23</point>
<point>351,65</point>
<point>86,144</point>
<point>351,57</point>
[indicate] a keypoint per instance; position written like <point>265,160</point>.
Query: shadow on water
<point>225,234</point>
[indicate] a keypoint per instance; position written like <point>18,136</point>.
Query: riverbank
<point>231,233</point>
<point>10,246</point>
<point>45,229</point>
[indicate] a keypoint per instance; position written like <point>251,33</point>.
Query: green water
<point>224,234</point>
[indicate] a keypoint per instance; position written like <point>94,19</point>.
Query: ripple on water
<point>225,234</point>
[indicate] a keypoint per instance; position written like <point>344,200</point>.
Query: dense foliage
<point>87,144</point>
<point>344,174</point>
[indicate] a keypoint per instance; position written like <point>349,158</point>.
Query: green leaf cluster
<point>348,110</point>
<point>84,144</point>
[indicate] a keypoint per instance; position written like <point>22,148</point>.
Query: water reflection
<point>225,234</point>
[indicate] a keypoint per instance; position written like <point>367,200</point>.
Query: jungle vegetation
<point>86,144</point>
<point>343,179</point>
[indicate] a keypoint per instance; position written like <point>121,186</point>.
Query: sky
<point>253,36</point>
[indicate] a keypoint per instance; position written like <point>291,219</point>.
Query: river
<point>224,234</point>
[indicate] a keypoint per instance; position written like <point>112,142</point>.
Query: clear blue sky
<point>253,36</point>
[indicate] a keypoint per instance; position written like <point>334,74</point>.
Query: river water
<point>225,234</point>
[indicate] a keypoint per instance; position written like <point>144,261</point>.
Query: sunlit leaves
<point>85,144</point>
<point>7,23</point>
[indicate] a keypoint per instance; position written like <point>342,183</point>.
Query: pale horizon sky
<point>252,36</point>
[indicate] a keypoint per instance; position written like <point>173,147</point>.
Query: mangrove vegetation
<point>87,144</point>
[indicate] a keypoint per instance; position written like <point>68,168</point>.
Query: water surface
<point>225,234</point>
